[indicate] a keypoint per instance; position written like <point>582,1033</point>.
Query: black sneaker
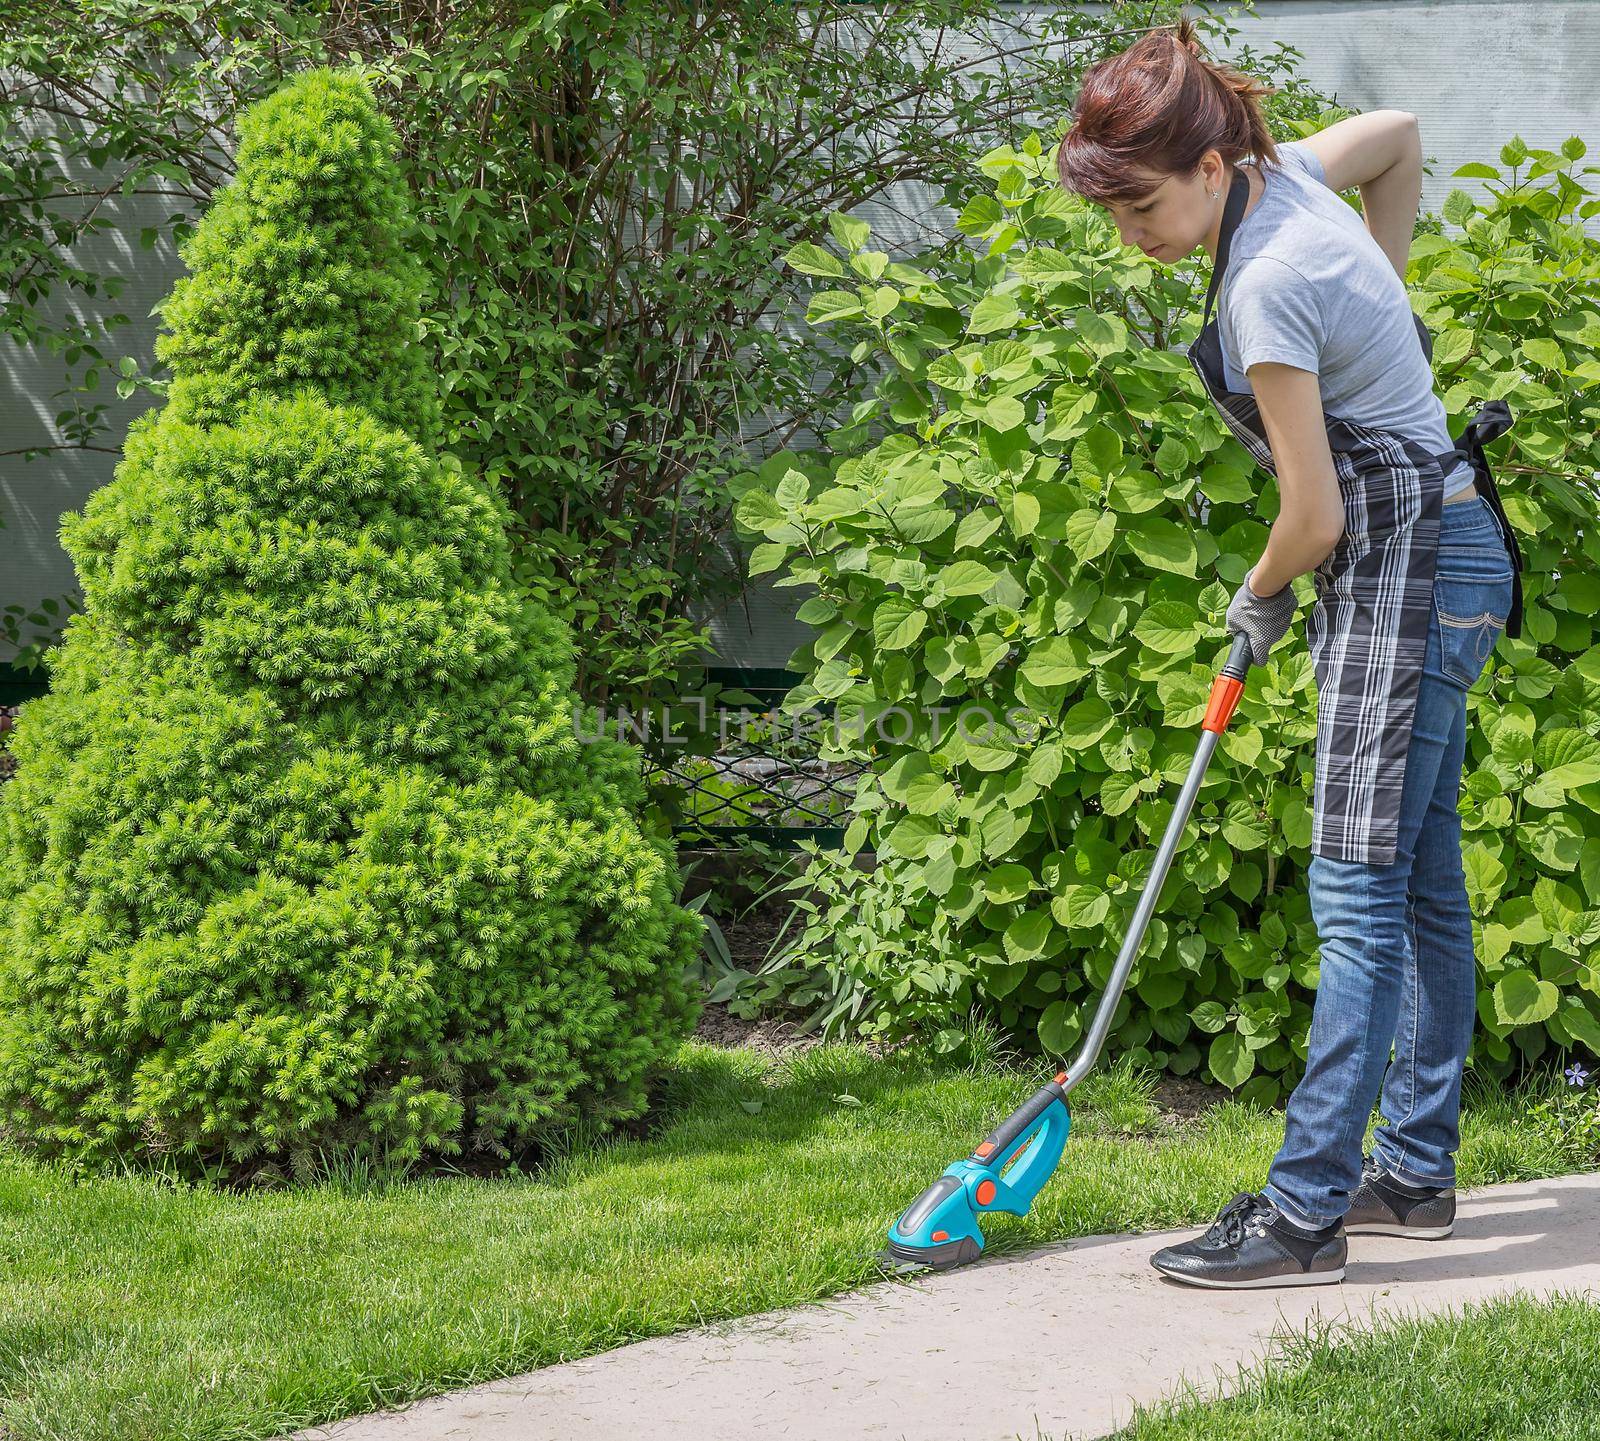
<point>1251,1243</point>
<point>1387,1206</point>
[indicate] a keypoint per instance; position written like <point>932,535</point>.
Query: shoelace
<point>1242,1213</point>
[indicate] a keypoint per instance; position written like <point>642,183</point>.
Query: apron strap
<point>1425,336</point>
<point>1232,210</point>
<point>1492,421</point>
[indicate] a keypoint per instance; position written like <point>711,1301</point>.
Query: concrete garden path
<point>1057,1342</point>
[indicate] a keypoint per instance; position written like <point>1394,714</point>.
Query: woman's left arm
<point>1379,153</point>
<point>1390,201</point>
<point>1310,517</point>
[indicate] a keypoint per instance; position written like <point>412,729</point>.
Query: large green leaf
<point>1008,883</point>
<point>1054,661</point>
<point>1080,907</point>
<point>1570,757</point>
<point>1232,1061</point>
<point>1086,722</point>
<point>1005,412</point>
<point>993,312</point>
<point>1099,453</point>
<point>850,232</point>
<point>898,779</point>
<point>967,577</point>
<point>1059,1027</point>
<point>1168,626</point>
<point>1118,792</point>
<point>1089,532</point>
<point>1105,335</point>
<point>897,623</point>
<point>810,259</point>
<point>1521,998</point>
<point>1485,875</point>
<point>1223,483</point>
<point>1242,827</point>
<point>827,306</point>
<point>1164,544</point>
<point>1025,937</point>
<point>1581,1023</point>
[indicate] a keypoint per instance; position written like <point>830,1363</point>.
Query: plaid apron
<point>1368,631</point>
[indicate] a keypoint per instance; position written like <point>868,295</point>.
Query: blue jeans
<point>1397,966</point>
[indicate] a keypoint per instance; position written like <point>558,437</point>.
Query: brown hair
<point>1159,105</point>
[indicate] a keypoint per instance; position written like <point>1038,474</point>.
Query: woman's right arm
<point>1381,154</point>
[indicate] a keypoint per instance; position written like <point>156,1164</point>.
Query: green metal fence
<point>766,782</point>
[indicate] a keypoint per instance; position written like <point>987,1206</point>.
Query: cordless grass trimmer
<point>939,1229</point>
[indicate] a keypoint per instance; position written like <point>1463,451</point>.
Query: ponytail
<point>1158,107</point>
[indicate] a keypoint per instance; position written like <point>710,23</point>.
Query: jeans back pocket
<point>1472,611</point>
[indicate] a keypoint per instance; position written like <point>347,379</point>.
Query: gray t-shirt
<point>1307,285</point>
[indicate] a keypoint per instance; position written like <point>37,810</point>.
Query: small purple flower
<point>1576,1075</point>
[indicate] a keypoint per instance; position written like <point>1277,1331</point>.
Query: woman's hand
<point>1264,618</point>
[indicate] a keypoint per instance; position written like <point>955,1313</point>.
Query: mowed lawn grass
<point>1511,1369</point>
<point>135,1308</point>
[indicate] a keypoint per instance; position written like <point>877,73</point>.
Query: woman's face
<point>1176,216</point>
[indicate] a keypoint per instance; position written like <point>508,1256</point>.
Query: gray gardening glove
<point>1264,618</point>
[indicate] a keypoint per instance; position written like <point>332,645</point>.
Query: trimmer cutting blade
<point>939,1229</point>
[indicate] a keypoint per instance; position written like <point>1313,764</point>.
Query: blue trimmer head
<point>940,1228</point>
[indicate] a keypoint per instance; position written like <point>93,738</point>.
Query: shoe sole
<point>1308,1278</point>
<point>1390,1228</point>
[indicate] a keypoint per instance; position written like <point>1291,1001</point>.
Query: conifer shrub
<point>308,848</point>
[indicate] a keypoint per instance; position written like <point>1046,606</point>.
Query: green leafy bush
<point>1037,524</point>
<point>304,849</point>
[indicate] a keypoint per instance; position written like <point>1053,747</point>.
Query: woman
<point>1314,362</point>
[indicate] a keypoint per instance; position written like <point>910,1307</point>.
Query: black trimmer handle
<point>1239,658</point>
